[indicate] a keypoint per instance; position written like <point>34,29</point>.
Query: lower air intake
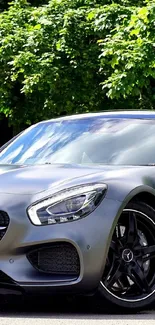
<point>57,259</point>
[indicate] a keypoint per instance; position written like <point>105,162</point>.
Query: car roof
<point>145,114</point>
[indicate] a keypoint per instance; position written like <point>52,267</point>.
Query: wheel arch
<point>145,197</point>
<point>144,194</point>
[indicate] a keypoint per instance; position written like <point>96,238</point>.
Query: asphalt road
<point>60,311</point>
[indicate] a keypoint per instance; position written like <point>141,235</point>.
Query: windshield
<point>93,140</point>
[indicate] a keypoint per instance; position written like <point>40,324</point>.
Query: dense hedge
<point>69,56</point>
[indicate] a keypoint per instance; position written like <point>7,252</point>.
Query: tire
<point>128,280</point>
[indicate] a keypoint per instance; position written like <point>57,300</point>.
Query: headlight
<point>68,205</point>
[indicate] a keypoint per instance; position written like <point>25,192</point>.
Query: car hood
<point>35,179</point>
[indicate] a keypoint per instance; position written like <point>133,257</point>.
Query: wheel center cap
<point>127,255</point>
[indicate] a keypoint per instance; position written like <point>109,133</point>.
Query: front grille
<point>57,259</point>
<point>4,223</point>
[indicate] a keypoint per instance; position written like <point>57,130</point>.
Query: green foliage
<point>128,58</point>
<point>71,56</point>
<point>4,4</point>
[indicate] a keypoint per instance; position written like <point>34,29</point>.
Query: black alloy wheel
<point>129,276</point>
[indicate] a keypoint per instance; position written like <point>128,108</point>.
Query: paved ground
<point>61,311</point>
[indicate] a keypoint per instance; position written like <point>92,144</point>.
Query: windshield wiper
<point>151,164</point>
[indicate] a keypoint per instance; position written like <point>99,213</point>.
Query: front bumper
<point>90,236</point>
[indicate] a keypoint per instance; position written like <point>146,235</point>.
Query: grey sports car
<point>77,208</point>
